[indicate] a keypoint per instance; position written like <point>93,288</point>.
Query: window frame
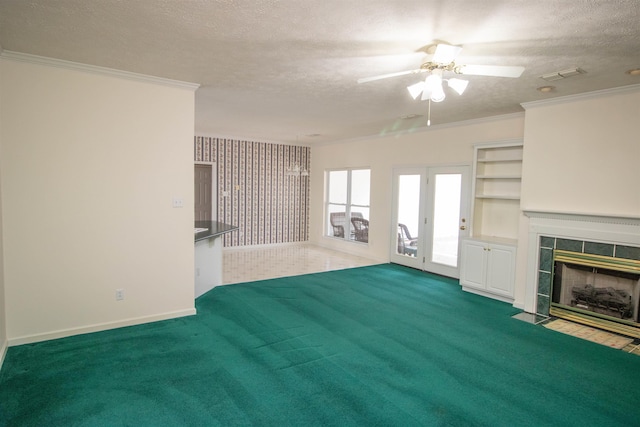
<point>348,205</point>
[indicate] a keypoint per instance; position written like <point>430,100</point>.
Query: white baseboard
<point>263,246</point>
<point>518,305</point>
<point>3,352</point>
<point>29,339</point>
<point>487,294</point>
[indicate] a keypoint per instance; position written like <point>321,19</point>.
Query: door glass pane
<point>408,214</point>
<point>446,218</point>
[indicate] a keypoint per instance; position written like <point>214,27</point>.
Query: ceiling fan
<point>443,60</point>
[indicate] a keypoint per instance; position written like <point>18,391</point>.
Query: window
<point>347,204</point>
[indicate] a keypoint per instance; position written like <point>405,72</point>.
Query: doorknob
<point>462,227</point>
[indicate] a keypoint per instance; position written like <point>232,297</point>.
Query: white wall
<point>448,145</point>
<point>90,163</point>
<point>581,155</point>
<point>3,317</point>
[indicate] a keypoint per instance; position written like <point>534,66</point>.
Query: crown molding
<point>76,66</point>
<point>422,129</point>
<point>582,96</point>
<point>245,139</point>
<point>583,217</point>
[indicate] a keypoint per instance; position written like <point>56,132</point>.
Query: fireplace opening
<point>597,290</point>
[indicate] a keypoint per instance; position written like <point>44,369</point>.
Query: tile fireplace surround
<point>603,235</point>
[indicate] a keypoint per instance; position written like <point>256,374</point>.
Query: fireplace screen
<point>588,284</point>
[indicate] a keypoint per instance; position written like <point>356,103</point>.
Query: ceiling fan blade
<point>386,76</point>
<point>491,70</point>
<point>445,53</point>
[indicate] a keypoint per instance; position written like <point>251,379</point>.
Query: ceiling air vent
<point>558,75</point>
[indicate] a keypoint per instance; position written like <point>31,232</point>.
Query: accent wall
<point>255,192</point>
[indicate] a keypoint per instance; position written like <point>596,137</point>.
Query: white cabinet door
<point>488,268</point>
<point>500,268</point>
<point>474,264</point>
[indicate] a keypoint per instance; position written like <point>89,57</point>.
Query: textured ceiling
<point>283,70</point>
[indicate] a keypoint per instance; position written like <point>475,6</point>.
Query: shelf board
<point>494,239</point>
<point>497,196</point>
<point>519,159</point>
<point>499,176</point>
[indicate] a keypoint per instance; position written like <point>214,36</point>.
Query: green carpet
<point>381,345</point>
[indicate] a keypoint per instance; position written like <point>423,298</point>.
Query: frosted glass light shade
<point>458,85</point>
<point>433,84</point>
<point>415,89</point>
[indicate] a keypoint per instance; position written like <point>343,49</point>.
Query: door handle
<point>462,227</point>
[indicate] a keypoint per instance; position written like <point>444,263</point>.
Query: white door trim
<point>214,188</point>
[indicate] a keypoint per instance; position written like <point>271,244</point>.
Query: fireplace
<point>585,269</point>
<point>599,290</point>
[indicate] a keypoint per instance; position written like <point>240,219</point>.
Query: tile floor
<point>620,342</point>
<point>589,333</point>
<point>256,263</point>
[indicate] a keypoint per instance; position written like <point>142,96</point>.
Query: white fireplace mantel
<point>595,228</point>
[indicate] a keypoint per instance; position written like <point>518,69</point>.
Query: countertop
<point>211,229</point>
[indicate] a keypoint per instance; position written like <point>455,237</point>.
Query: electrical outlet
<point>119,294</point>
<point>177,202</point>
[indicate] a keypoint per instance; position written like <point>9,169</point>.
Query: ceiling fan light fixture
<point>458,85</point>
<point>432,81</point>
<point>416,89</point>
<point>433,85</point>
<point>437,95</point>
<point>426,94</point>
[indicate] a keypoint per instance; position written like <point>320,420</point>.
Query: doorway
<point>204,192</point>
<point>430,215</point>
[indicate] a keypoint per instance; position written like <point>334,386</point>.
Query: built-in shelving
<point>505,160</point>
<point>497,171</point>
<point>488,256</point>
<point>498,176</point>
<point>499,197</point>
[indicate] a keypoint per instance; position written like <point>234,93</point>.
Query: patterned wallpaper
<point>268,206</point>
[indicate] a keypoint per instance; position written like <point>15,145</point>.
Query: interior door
<point>431,211</point>
<point>203,192</point>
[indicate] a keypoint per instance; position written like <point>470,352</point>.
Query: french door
<point>430,215</point>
